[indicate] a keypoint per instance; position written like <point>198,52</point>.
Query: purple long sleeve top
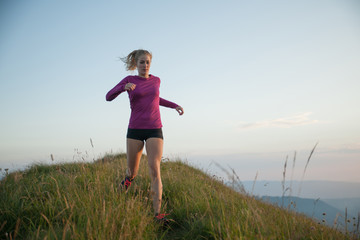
<point>144,101</point>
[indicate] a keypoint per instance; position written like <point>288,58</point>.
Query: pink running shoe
<point>126,182</point>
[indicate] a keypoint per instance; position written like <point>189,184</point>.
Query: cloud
<point>286,122</point>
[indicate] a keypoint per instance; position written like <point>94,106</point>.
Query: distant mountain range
<point>306,189</point>
<point>321,210</point>
<point>325,201</point>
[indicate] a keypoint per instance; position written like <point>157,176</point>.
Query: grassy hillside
<point>82,201</point>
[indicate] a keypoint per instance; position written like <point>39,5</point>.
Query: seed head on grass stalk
<point>292,174</point>
<point>234,178</point>
<point>253,186</point>
<point>240,186</point>
<point>92,145</point>
<point>283,182</point>
<point>307,163</point>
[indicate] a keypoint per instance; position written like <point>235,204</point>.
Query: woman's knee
<point>154,172</point>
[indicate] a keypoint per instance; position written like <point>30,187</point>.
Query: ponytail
<point>131,59</point>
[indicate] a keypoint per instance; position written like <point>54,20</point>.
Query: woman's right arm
<point>119,88</point>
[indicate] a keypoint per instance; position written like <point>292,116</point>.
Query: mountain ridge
<point>304,189</point>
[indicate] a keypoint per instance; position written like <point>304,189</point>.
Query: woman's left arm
<point>166,103</point>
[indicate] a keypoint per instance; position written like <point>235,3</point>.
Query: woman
<point>145,127</point>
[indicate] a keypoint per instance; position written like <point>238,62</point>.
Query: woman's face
<point>143,65</point>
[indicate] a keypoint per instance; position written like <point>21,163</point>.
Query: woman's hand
<point>130,86</point>
<point>180,110</point>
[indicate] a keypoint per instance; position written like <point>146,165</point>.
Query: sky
<point>261,82</point>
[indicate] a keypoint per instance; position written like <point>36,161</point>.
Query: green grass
<point>82,201</point>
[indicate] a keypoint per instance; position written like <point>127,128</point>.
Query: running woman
<point>145,127</point>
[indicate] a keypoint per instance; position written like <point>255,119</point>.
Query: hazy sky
<point>258,80</point>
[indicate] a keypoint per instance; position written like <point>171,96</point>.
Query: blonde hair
<point>131,59</point>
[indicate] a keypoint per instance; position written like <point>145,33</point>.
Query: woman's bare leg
<point>134,152</point>
<point>154,150</point>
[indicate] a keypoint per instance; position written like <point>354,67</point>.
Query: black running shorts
<point>144,134</point>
